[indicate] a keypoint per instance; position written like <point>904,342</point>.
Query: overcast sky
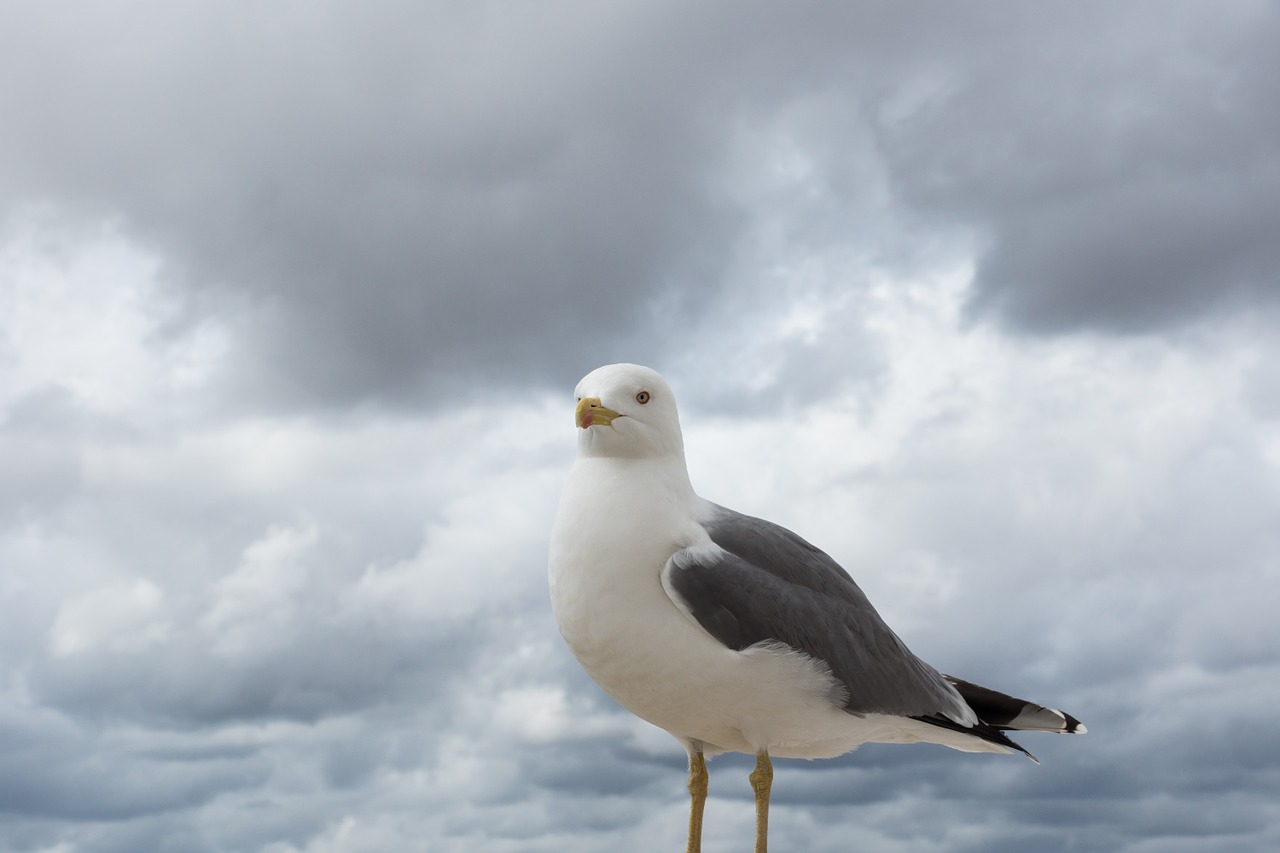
<point>981,298</point>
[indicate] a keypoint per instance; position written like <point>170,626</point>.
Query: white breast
<point>614,534</point>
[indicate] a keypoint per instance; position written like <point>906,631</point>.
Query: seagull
<point>732,633</point>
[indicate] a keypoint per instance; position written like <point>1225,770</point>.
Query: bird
<point>730,632</point>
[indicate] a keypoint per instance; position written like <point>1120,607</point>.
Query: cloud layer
<point>982,302</point>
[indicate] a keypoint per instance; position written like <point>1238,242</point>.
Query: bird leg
<point>697,799</point>
<point>761,782</point>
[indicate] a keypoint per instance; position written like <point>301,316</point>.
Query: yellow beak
<point>591,413</point>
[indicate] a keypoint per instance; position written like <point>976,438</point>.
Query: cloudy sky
<point>981,298</point>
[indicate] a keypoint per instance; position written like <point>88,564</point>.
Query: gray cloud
<point>465,201</point>
<point>274,507</point>
<point>461,199</point>
<point>1117,164</point>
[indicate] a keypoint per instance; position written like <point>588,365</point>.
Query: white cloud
<point>82,314</point>
<point>119,617</point>
<point>983,476</point>
<point>280,443</point>
<point>256,606</point>
<point>544,714</point>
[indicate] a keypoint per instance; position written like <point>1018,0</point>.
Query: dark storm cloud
<point>1118,162</point>
<point>461,196</point>
<point>394,198</point>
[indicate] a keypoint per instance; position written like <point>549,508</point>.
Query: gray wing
<point>769,585</point>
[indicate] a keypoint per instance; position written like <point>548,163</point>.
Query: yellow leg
<point>761,782</point>
<point>697,800</point>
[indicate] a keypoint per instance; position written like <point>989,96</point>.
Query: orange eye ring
<point>642,397</point>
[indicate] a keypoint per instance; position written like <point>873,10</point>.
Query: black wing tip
<point>1073,726</point>
<point>1009,713</point>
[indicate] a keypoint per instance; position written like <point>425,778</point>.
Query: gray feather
<point>770,585</point>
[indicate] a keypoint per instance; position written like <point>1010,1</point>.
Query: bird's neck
<point>666,473</point>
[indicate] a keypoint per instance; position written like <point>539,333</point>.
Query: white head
<point>626,410</point>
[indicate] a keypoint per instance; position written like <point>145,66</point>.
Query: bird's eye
<point>642,397</point>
